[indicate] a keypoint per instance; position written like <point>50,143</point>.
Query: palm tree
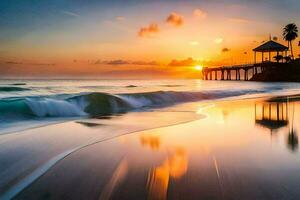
<point>290,33</point>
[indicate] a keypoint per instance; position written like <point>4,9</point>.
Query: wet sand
<point>245,149</point>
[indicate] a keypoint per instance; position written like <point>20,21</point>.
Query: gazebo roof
<point>270,46</point>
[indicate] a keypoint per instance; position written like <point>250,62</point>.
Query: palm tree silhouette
<point>290,33</point>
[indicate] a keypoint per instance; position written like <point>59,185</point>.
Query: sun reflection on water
<point>174,166</point>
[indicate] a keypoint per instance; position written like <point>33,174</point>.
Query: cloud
<point>29,63</point>
<point>148,31</point>
<point>13,63</point>
<point>144,63</point>
<point>199,14</point>
<point>224,50</point>
<point>175,19</point>
<point>120,18</point>
<point>72,14</point>
<point>218,40</point>
<point>194,43</point>
<point>125,62</point>
<point>185,62</point>
<point>117,62</point>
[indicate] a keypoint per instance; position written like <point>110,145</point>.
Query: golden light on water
<point>198,67</point>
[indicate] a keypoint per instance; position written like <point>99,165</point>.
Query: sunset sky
<point>139,38</point>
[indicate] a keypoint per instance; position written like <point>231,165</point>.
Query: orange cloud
<point>200,14</point>
<point>28,63</point>
<point>175,19</point>
<point>125,62</point>
<point>191,62</point>
<point>185,62</point>
<point>224,50</point>
<point>148,31</point>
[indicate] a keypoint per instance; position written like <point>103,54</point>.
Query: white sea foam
<point>47,107</point>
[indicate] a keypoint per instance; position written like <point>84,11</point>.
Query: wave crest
<point>95,104</point>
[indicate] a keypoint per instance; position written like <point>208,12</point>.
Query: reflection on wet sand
<point>293,141</point>
<point>117,178</point>
<point>292,137</point>
<point>174,166</point>
<point>153,141</point>
<point>271,115</point>
<point>276,114</point>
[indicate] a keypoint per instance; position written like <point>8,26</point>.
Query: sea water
<point>29,103</point>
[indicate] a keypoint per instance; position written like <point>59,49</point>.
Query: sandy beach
<point>199,150</point>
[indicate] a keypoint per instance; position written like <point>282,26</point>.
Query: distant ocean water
<point>27,102</point>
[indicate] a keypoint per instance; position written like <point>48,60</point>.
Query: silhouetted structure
<point>270,47</point>
<point>269,71</point>
<point>250,70</point>
<point>255,69</point>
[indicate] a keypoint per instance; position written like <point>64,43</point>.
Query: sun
<point>198,67</point>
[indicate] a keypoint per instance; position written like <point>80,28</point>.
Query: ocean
<point>148,139</point>
<point>30,103</point>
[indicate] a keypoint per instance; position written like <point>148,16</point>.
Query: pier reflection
<point>275,115</point>
<point>271,115</point>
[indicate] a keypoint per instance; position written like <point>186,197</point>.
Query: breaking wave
<point>96,104</point>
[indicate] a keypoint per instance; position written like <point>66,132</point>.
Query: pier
<point>247,71</point>
<point>239,72</point>
<point>235,72</point>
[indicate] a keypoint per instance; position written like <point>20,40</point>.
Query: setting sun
<point>198,67</point>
